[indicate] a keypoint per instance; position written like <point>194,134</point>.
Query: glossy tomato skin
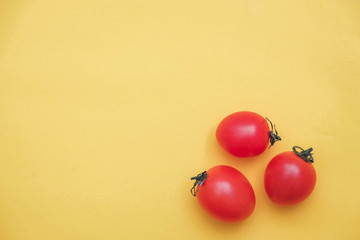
<point>289,179</point>
<point>243,134</point>
<point>226,194</point>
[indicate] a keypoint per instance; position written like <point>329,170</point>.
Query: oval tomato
<point>245,134</point>
<point>290,177</point>
<point>224,193</point>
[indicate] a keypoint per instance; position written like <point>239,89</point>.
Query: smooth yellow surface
<point>107,108</point>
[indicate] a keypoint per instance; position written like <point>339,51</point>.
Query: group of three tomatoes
<point>226,194</point>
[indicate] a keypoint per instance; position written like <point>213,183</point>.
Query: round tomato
<point>245,134</point>
<point>224,193</point>
<point>290,176</point>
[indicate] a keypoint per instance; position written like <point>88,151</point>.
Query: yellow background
<point>107,108</point>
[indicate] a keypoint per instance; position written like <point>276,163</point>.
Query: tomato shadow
<point>209,223</point>
<point>286,211</point>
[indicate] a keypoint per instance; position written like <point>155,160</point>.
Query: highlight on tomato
<point>290,177</point>
<point>246,134</point>
<point>224,193</point>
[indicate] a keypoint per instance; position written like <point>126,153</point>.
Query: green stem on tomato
<point>273,137</point>
<point>199,180</point>
<point>304,154</point>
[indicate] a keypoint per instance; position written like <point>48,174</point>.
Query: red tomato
<point>224,193</point>
<point>290,177</point>
<point>245,134</point>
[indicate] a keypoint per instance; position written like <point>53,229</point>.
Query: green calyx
<point>199,180</point>
<point>273,134</point>
<point>304,154</point>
